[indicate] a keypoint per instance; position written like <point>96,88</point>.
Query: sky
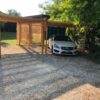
<point>25,7</point>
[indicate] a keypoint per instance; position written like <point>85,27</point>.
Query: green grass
<point>8,37</point>
<point>8,42</point>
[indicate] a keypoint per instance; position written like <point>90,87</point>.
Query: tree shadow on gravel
<point>43,77</point>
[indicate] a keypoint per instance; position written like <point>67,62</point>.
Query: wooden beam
<point>17,32</point>
<point>18,19</point>
<point>42,37</point>
<point>46,36</point>
<point>20,33</point>
<point>0,41</point>
<point>30,34</point>
<point>59,24</point>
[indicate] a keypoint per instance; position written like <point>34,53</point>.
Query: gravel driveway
<point>44,77</point>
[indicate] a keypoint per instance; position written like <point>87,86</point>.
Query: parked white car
<point>62,45</point>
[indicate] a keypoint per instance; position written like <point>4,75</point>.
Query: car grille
<point>67,48</point>
<point>66,53</point>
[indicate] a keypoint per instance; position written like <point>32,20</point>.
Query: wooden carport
<point>57,24</point>
<point>25,29</point>
<point>20,22</point>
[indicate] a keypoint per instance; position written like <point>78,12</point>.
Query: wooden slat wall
<point>25,34</point>
<point>36,33</point>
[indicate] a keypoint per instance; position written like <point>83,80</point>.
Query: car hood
<point>64,43</point>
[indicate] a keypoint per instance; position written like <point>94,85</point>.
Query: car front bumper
<point>65,52</point>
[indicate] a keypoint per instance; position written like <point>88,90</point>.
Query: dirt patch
<point>15,49</point>
<point>85,92</point>
<point>12,49</point>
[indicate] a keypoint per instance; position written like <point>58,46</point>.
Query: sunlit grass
<point>8,38</point>
<point>9,41</point>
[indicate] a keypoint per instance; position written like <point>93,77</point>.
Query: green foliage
<point>85,13</point>
<point>60,10</point>
<point>75,34</point>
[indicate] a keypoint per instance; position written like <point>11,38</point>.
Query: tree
<point>13,12</point>
<point>85,13</point>
<point>59,10</point>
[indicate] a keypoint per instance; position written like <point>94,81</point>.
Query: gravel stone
<point>44,77</point>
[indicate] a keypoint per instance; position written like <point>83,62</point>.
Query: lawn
<point>8,37</point>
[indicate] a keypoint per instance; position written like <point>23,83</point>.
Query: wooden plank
<point>46,36</point>
<point>42,37</point>
<point>20,34</point>
<point>59,24</point>
<point>0,41</point>
<point>18,19</point>
<point>17,32</point>
<point>30,34</point>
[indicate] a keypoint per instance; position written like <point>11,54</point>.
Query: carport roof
<point>41,16</point>
<point>8,18</point>
<point>30,19</point>
<point>60,24</point>
<point>51,23</point>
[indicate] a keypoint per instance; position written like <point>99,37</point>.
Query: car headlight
<point>56,46</point>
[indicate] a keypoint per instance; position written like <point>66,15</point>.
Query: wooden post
<point>30,34</point>
<point>19,33</point>
<point>0,41</point>
<point>46,36</point>
<point>42,37</point>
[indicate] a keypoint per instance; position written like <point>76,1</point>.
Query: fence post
<point>0,41</point>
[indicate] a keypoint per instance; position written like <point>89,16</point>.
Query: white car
<point>62,45</point>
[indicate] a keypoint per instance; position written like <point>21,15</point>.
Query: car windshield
<point>62,38</point>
